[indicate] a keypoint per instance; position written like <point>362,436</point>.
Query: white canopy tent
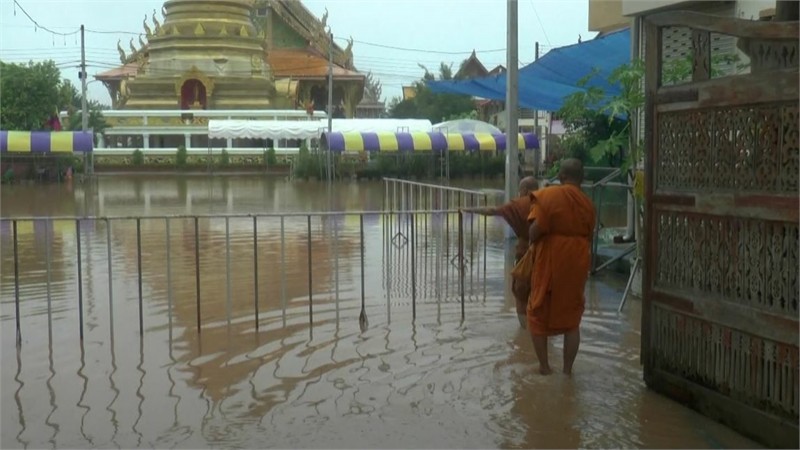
<point>379,125</point>
<point>265,129</point>
<point>309,129</point>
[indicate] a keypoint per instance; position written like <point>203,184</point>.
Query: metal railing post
<point>485,236</point>
<point>169,277</point>
<point>336,263</point>
<point>17,318</point>
<point>461,260</point>
<point>139,273</point>
<point>48,223</point>
<point>283,270</point>
<point>413,268</point>
<point>255,268</point>
<point>310,284</point>
<point>80,275</point>
<point>228,270</point>
<point>110,280</point>
<point>197,269</point>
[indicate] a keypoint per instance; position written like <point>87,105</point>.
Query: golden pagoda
<point>233,55</point>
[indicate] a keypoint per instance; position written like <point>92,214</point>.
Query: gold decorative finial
<point>348,54</point>
<point>199,30</point>
<point>122,57</point>
<point>133,48</point>
<point>155,21</point>
<point>141,42</point>
<point>146,27</point>
<point>324,20</point>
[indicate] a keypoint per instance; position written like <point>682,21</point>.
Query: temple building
<point>233,55</point>
<point>234,59</point>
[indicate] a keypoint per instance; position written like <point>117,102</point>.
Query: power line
<point>37,24</point>
<point>113,32</point>
<point>406,49</point>
<point>371,44</point>
<point>540,23</point>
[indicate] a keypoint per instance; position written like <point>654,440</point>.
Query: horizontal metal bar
<point>625,253</point>
<point>437,186</point>
<point>234,216</point>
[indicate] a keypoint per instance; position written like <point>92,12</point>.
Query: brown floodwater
<point>291,367</point>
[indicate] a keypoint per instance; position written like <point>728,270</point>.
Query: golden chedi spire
<point>211,42</point>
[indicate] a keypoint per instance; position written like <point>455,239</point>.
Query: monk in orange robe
<point>562,221</point>
<point>516,214</point>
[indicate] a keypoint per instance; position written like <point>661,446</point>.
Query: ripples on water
<point>432,382</point>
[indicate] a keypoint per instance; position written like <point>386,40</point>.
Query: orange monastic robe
<point>516,214</point>
<point>566,217</point>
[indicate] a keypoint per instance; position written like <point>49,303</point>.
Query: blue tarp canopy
<point>545,84</point>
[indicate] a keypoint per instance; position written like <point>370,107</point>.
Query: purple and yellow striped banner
<point>423,142</point>
<point>385,142</point>
<point>45,142</point>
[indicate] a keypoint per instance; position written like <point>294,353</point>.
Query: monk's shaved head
<point>527,185</point>
<point>571,171</point>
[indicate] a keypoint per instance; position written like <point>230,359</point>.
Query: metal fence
<point>403,195</point>
<point>437,255</point>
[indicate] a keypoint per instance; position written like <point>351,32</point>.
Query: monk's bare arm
<point>481,211</point>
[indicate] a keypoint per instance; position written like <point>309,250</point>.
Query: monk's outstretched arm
<point>482,211</point>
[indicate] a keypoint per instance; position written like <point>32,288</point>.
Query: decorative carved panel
<point>750,148</point>
<point>748,368</point>
<point>768,55</point>
<point>750,262</point>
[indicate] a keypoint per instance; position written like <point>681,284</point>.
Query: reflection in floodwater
<point>432,381</point>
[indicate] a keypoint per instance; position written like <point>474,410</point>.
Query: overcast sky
<point>425,26</point>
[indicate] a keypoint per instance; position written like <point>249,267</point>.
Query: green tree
<point>70,100</point>
<point>30,94</point>
<point>429,105</point>
<point>586,123</point>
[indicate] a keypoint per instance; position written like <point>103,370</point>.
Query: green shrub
<point>181,156</point>
<point>138,157</point>
<point>271,157</point>
<point>306,164</point>
<point>224,158</point>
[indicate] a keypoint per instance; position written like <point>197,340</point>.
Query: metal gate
<point>720,321</point>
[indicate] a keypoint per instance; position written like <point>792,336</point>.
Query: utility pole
<point>537,153</point>
<point>330,105</point>
<point>512,102</point>
<point>88,168</point>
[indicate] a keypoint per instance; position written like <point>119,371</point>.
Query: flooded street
<point>250,330</point>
